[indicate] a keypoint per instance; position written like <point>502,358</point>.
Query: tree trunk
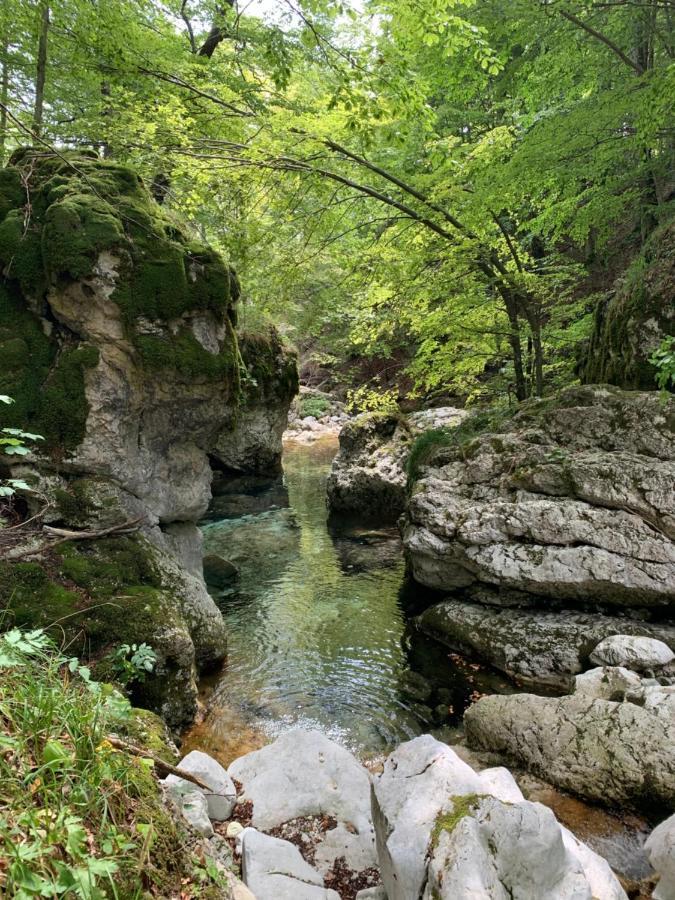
<point>531,312</point>
<point>4,97</point>
<point>41,74</point>
<point>514,341</point>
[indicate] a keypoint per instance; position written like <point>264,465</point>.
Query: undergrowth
<point>78,818</point>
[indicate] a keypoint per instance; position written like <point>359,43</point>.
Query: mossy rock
<point>81,206</point>
<point>631,322</point>
<point>271,367</point>
<point>94,597</point>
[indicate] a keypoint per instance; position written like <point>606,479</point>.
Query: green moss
<point>80,206</point>
<point>146,729</point>
<point>271,366</point>
<point>64,408</point>
<point>462,806</point>
<point>184,354</point>
<point>12,192</point>
<point>74,503</point>
<point>630,322</point>
<point>75,230</point>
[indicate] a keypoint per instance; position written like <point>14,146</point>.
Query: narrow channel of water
<point>317,621</point>
<point>319,638</point>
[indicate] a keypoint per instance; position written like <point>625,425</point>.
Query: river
<point>320,636</point>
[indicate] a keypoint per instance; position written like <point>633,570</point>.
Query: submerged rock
<point>219,572</point>
<point>539,648</point>
<point>570,500</point>
<point>608,752</point>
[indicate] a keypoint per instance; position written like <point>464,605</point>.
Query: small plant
<point>133,662</point>
<point>314,406</point>
<point>13,443</point>
<point>663,360</point>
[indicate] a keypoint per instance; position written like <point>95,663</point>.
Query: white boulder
<point>194,809</point>
<point>637,653</point>
<point>607,682</point>
<point>275,870</point>
<point>303,773</point>
<point>222,796</point>
<point>660,849</point>
<point>518,851</point>
<point>417,781</point>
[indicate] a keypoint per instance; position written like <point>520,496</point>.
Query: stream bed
<point>317,621</point>
<point>319,637</point>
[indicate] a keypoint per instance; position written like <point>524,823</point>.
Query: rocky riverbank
<point>306,821</point>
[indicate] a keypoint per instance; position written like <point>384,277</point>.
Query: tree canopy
<point>447,185</point>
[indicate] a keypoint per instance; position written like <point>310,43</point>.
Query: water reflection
<point>317,621</point>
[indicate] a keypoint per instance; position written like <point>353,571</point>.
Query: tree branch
<point>604,39</point>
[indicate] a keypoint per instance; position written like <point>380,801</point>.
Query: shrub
<point>314,406</point>
<point>79,818</point>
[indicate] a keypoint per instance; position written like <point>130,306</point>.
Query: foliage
<point>447,186</point>
<point>133,662</point>
<point>367,399</point>
<point>13,443</point>
<point>663,360</point>
<point>313,406</point>
<point>95,826</point>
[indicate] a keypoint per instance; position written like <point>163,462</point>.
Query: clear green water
<point>319,637</point>
<point>317,622</point>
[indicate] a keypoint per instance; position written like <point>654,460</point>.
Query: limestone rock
<point>223,794</point>
<point>417,780</point>
<point>374,893</point>
<point>607,683</point>
<point>660,848</point>
<point>130,367</point>
<point>275,870</point>
<point>498,851</point>
<point>303,773</point>
<point>540,648</point>
<point>368,474</point>
<point>571,500</point>
<point>615,753</point>
<point>194,809</point>
<point>252,442</point>
<point>637,653</point>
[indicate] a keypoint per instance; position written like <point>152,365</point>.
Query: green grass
<point>79,819</point>
<point>426,445</point>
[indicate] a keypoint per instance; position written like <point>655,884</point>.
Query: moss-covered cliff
<point>631,323</point>
<point>58,215</point>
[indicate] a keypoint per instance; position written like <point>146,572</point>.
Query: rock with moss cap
<point>117,333</point>
<point>634,318</point>
<point>446,831</point>
<point>368,475</point>
<point>253,445</point>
